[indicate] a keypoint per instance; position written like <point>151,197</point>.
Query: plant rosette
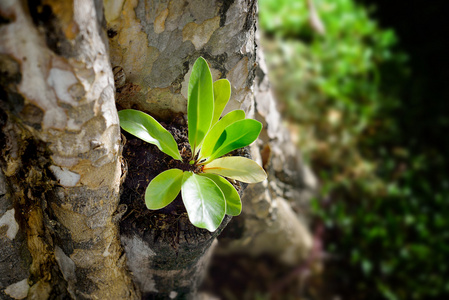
<point>206,194</point>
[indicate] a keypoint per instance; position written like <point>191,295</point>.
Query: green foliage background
<point>384,188</point>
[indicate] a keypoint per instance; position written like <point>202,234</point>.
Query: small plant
<point>207,196</point>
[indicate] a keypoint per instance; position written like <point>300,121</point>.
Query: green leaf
<point>148,129</point>
<point>163,189</point>
<point>200,103</point>
<point>212,136</point>
<point>238,168</point>
<point>222,93</point>
<point>204,201</point>
<point>237,135</point>
<point>233,202</point>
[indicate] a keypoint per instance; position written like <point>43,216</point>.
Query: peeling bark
<point>61,148</point>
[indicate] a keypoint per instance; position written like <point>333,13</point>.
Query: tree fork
<point>61,155</point>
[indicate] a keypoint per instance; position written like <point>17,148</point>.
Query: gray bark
<point>153,45</point>
<point>275,218</point>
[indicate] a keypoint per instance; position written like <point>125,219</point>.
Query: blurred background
<point>363,87</point>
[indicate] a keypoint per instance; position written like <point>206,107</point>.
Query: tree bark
<point>61,165</point>
<point>66,225</point>
<point>153,45</point>
<point>61,148</point>
<point>275,218</point>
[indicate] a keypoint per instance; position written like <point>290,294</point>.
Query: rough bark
<point>275,218</point>
<point>153,45</point>
<point>14,253</point>
<point>60,152</point>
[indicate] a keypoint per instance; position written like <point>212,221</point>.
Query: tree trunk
<point>61,152</point>
<point>72,218</point>
<point>275,219</point>
<point>153,46</point>
<point>61,149</point>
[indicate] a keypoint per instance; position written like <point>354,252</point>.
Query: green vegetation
<point>206,195</point>
<point>383,191</point>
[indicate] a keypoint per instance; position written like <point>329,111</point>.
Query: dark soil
<point>144,162</point>
<point>177,244</point>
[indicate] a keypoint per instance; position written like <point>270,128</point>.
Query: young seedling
<point>206,194</point>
